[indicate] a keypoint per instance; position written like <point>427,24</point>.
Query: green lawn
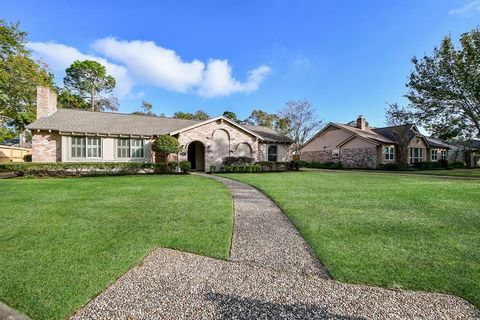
<point>410,232</point>
<point>63,241</point>
<point>450,172</point>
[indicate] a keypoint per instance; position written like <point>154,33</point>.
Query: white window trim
<point>386,151</point>
<point>413,158</point>
<point>432,152</point>
<point>101,147</point>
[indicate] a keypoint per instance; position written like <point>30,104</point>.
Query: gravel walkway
<point>272,275</point>
<point>264,236</point>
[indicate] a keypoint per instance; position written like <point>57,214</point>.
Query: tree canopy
<point>231,115</point>
<point>444,88</point>
<point>164,145</point>
<point>300,121</point>
<point>19,77</point>
<point>89,81</point>
<point>198,115</point>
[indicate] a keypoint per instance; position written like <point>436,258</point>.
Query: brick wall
<point>359,157</point>
<point>46,147</point>
<point>317,156</point>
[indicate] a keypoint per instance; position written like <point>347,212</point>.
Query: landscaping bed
<point>63,241</point>
<point>396,231</point>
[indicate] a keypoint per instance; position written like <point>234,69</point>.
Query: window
<point>416,155</point>
<point>272,153</point>
<point>86,147</point>
<point>443,154</point>
<point>94,147</point>
<point>335,154</point>
<point>130,148</point>
<point>136,148</point>
<point>434,154</point>
<point>78,147</point>
<point>389,153</point>
<point>123,148</point>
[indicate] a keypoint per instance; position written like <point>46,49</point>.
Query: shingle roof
<point>81,121</point>
<point>368,133</point>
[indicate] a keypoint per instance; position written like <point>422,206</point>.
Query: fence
<point>13,154</point>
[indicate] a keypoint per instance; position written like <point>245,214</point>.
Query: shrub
<point>236,161</point>
<point>213,167</point>
<point>443,163</point>
<point>323,165</point>
<point>27,158</point>
<point>394,167</point>
<point>425,165</point>
<point>172,165</point>
<point>249,169</point>
<point>185,166</point>
<point>457,164</point>
<point>166,144</point>
<point>64,169</point>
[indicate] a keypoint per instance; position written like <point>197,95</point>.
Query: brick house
<point>360,146</point>
<point>69,135</point>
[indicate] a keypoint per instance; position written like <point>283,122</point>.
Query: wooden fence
<point>13,154</point>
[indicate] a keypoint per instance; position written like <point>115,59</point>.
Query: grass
<point>475,173</point>
<point>63,241</point>
<point>408,232</point>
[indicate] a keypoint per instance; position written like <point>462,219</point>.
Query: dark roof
<point>471,144</point>
<point>81,121</point>
<point>393,131</point>
<point>436,143</point>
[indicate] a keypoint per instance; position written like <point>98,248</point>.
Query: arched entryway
<point>196,155</point>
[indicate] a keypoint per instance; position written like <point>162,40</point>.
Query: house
<point>69,135</point>
<point>468,151</point>
<point>360,146</point>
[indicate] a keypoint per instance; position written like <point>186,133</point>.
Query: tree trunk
<point>93,99</point>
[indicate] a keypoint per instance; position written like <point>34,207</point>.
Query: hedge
<point>63,169</point>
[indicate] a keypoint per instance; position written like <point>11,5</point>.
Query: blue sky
<point>346,57</point>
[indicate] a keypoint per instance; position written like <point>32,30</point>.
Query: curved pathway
<point>272,275</point>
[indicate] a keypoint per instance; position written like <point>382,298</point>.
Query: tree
<point>261,118</point>
<point>146,110</point>
<point>231,115</point>
<point>400,119</point>
<point>19,78</point>
<point>301,121</point>
<point>444,88</point>
<point>68,100</point>
<point>164,145</point>
<point>198,115</point>
<point>201,115</point>
<point>90,81</point>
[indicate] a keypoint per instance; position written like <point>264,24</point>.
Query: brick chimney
<point>46,102</point>
<point>361,122</point>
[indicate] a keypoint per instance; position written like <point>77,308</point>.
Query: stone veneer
<point>47,147</point>
<point>359,157</point>
<point>349,157</point>
<point>204,134</point>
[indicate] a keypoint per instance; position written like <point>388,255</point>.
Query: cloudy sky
<point>346,57</point>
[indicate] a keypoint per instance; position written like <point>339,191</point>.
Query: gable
<point>327,139</point>
<point>357,142</point>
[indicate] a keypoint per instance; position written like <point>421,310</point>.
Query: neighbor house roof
<point>81,121</point>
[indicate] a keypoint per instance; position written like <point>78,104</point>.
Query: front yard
<point>396,231</point>
<point>63,241</point>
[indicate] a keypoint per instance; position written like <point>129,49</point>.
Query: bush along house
<point>70,135</point>
<point>359,146</point>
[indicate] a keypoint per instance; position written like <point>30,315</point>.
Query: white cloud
<point>59,57</point>
<point>144,62</point>
<point>218,80</point>
<point>469,8</point>
<point>153,64</point>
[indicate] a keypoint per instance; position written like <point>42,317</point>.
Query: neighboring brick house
<point>363,147</point>
<point>69,135</point>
